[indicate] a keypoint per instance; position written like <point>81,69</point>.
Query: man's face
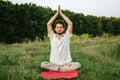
<point>59,28</point>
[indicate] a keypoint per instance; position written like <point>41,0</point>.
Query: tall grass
<point>99,57</point>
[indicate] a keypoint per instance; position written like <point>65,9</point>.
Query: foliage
<point>20,22</point>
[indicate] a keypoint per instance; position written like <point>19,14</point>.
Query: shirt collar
<point>57,36</point>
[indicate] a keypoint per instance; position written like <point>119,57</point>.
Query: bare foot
<point>68,64</point>
<point>64,68</point>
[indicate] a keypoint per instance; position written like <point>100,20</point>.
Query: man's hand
<point>59,10</point>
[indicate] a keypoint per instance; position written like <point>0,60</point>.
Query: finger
<point>59,6</point>
<point>58,9</point>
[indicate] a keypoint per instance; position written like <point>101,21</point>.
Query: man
<point>60,57</point>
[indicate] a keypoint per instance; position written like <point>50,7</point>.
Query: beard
<point>60,33</point>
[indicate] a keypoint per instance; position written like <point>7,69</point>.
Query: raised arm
<point>50,22</point>
<point>68,21</point>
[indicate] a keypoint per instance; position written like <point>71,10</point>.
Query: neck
<point>59,35</point>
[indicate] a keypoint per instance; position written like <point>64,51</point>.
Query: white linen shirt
<point>60,48</point>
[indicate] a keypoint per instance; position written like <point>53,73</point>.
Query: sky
<point>106,8</point>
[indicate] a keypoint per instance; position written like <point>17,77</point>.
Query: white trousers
<point>54,67</point>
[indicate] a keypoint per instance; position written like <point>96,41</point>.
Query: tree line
<point>19,22</point>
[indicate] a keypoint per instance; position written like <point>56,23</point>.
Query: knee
<point>76,64</point>
<point>43,64</point>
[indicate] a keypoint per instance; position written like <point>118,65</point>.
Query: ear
<point>64,28</point>
<point>54,28</point>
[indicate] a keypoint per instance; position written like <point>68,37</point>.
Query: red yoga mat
<point>58,75</point>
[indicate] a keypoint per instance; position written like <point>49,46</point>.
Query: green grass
<point>99,57</point>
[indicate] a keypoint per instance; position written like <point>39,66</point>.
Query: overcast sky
<point>106,8</point>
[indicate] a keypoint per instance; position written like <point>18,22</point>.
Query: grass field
<point>99,57</point>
